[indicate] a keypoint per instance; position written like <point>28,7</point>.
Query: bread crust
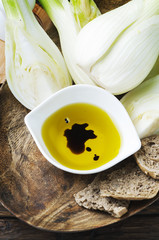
<point>147,157</point>
<point>129,183</point>
<point>152,173</point>
<point>90,198</point>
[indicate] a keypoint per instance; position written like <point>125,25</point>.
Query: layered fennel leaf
<point>35,68</point>
<point>119,48</point>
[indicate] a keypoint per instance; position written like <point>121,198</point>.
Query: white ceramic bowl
<point>130,142</point>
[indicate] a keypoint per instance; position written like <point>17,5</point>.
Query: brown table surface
<point>144,226</point>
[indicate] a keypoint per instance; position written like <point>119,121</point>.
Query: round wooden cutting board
<point>30,187</point>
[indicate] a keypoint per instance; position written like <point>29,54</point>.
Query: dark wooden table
<point>144,226</point>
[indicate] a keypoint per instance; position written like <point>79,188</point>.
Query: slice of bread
<point>147,157</point>
<point>150,146</point>
<point>129,183</point>
<point>90,198</point>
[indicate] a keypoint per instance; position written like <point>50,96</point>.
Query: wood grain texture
<point>30,187</point>
<point>153,209</point>
<point>144,225</point>
<point>2,62</point>
<point>33,189</point>
<point>4,213</point>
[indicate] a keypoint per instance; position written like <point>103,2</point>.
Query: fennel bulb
<point>69,18</point>
<point>142,105</point>
<point>119,48</point>
<point>3,18</point>
<point>155,70</point>
<point>35,68</point>
<point>31,3</point>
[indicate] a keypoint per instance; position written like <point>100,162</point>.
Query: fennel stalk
<point>69,18</point>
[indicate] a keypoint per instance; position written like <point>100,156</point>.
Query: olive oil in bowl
<point>74,132</point>
<point>81,136</point>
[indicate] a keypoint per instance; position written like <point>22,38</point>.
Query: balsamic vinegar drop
<point>81,136</point>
